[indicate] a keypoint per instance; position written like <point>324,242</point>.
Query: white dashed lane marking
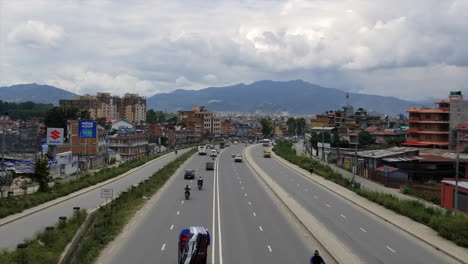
<point>343,216</point>
<point>254,214</point>
<point>163,247</point>
<point>363,230</point>
<point>172,226</point>
<point>389,248</point>
<point>260,227</point>
<point>328,205</point>
<point>178,212</point>
<point>269,248</point>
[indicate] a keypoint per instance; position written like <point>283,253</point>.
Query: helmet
<point>316,253</point>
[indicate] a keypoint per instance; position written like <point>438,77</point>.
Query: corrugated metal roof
<point>381,153</point>
<point>400,159</point>
<point>462,184</point>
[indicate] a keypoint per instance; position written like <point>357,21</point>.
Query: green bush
<point>124,207</point>
<point>17,204</point>
<point>448,224</point>
<point>41,252</point>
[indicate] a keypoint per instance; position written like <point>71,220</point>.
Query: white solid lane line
<point>163,247</point>
<point>172,227</point>
<point>260,227</point>
<point>219,217</point>
<point>269,248</point>
<point>363,230</point>
<point>389,248</point>
<point>213,230</point>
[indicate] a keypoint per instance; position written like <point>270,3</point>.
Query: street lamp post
<point>323,142</point>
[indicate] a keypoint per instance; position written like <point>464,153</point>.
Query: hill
<point>297,97</point>
<point>33,92</point>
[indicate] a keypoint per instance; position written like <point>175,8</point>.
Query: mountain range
<point>296,97</point>
<point>34,92</point>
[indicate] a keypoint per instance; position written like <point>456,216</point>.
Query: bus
<point>266,142</point>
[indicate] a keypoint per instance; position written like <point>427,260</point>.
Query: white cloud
<point>82,80</point>
<point>376,46</point>
<point>36,34</point>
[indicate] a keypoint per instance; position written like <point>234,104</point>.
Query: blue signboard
<point>87,129</point>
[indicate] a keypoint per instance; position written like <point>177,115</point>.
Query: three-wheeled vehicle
<point>193,245</point>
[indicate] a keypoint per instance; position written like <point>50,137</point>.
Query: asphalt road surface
<point>15,232</point>
<point>366,235</point>
<point>245,224</point>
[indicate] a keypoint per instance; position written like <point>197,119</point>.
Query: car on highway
<point>189,174</point>
<point>209,165</point>
<point>238,158</point>
<point>214,153</point>
<point>267,153</point>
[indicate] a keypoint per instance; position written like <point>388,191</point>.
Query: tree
<point>42,174</point>
<point>267,128</point>
<point>2,183</point>
<point>102,121</point>
<point>291,123</point>
<point>365,138</point>
<point>300,126</point>
<point>151,117</point>
<point>54,117</point>
<point>395,141</point>
<point>160,117</point>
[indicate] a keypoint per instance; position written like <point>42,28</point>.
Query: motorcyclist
<point>187,189</point>
<point>200,181</point>
<point>316,258</point>
<point>175,151</point>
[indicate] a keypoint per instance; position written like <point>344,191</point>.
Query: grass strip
<point>17,204</point>
<point>46,246</point>
<point>448,224</point>
<point>112,218</point>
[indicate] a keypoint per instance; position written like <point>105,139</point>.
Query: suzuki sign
<point>54,136</point>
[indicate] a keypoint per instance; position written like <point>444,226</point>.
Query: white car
<point>214,153</point>
<point>238,158</point>
<point>235,142</point>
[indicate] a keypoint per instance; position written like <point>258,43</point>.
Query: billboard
<point>54,136</point>
<point>87,129</point>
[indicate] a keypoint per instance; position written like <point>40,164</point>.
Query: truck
<point>201,150</point>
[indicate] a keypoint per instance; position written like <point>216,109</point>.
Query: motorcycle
<point>187,195</point>
<point>200,185</point>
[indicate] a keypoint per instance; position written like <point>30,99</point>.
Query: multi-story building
<point>91,152</point>
<point>129,144</point>
<point>132,107</point>
<point>437,126</point>
<point>201,121</point>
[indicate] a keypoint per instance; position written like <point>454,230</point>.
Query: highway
<point>245,224</point>
<point>367,236</point>
<point>15,232</point>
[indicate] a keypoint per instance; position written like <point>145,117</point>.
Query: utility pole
<point>323,143</point>
<point>4,119</point>
<point>457,166</point>
<point>355,158</point>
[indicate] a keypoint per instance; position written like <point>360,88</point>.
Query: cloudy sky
<point>409,49</point>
